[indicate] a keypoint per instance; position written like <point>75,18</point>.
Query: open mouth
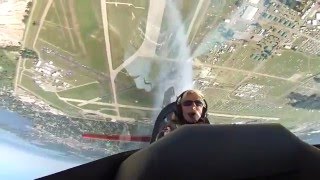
<point>192,114</point>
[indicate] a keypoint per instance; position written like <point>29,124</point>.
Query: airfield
<point>102,60</point>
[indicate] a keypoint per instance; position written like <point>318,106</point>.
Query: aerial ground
<point>110,59</point>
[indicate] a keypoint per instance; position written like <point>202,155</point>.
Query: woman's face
<point>192,107</point>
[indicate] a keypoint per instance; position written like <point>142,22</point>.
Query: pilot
<point>191,109</point>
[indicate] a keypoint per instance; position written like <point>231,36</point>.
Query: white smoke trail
<point>178,74</point>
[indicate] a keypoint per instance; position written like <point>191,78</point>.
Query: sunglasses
<point>190,103</point>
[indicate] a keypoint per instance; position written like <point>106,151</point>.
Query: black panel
<point>267,151</point>
<point>224,152</point>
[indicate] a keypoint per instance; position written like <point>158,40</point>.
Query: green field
<point>49,97</point>
<point>38,7</point>
<point>201,14</point>
<point>187,10</point>
<point>7,68</point>
<point>136,97</point>
<point>290,119</point>
<point>229,78</point>
<point>135,113</point>
<point>215,13</point>
<point>79,75</point>
<point>73,32</point>
<point>215,96</point>
<point>29,63</point>
<point>241,58</point>
<point>109,112</point>
<point>124,81</point>
<point>124,22</point>
<point>96,107</point>
<point>183,9</point>
<point>73,38</point>
<point>74,27</point>
<point>127,92</point>
<point>88,14</point>
<point>314,65</point>
<point>238,107</point>
<point>28,73</point>
<point>299,41</point>
<point>86,92</point>
<point>273,88</point>
<point>58,37</point>
<point>58,28</point>
<point>287,64</point>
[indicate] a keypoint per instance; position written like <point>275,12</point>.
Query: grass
<point>299,41</point>
<point>38,9</point>
<point>240,58</point>
<point>243,60</point>
<point>58,29</point>
<point>123,29</point>
<point>57,36</point>
<point>286,65</point>
<point>289,117</point>
<point>123,81</point>
<point>228,78</point>
<point>198,21</point>
<point>187,10</point>
<point>109,112</point>
<point>90,26</point>
<point>216,12</point>
<point>86,92</point>
<point>74,103</point>
<point>214,96</point>
<point>117,49</point>
<point>7,70</point>
<point>135,113</point>
<point>27,73</point>
<point>127,92</point>
<point>86,28</point>
<point>272,87</point>
<point>29,63</point>
<point>314,65</point>
<point>49,97</point>
<point>136,97</point>
<point>79,75</point>
<point>53,15</point>
<point>248,108</point>
<point>95,107</point>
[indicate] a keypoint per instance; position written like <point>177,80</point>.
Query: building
<point>38,63</point>
<point>249,13</point>
<point>254,1</point>
<point>314,22</point>
<point>318,16</point>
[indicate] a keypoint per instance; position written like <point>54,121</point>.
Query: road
<point>108,51</point>
<point>17,76</point>
<point>200,3</point>
<point>154,20</point>
<point>147,49</point>
<point>109,104</point>
<point>128,4</point>
<point>43,17</point>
